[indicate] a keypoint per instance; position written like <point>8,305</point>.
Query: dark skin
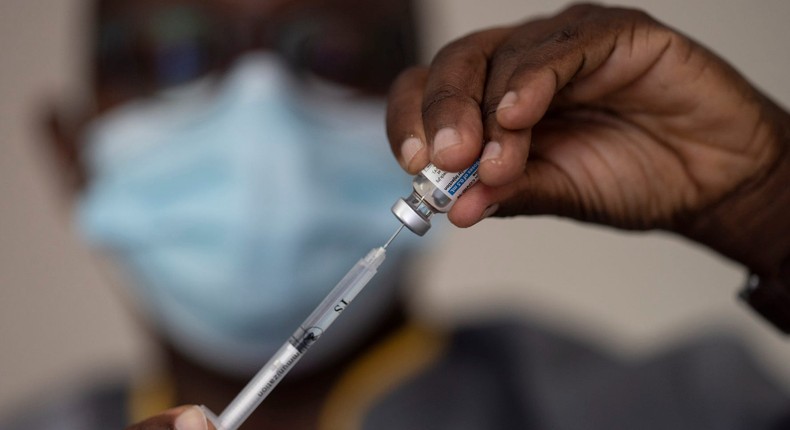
<point>606,116</point>
<point>602,115</point>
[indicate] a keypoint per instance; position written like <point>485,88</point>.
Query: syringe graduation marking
<point>289,354</point>
<point>281,371</point>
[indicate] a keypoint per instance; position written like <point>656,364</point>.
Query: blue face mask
<point>235,208</point>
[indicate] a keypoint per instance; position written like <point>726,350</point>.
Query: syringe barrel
<point>259,387</point>
<point>338,299</point>
<point>291,352</point>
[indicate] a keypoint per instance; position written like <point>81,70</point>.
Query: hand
<point>180,418</point>
<point>603,115</point>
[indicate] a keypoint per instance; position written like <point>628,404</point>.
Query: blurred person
<point>625,122</point>
<point>234,165</point>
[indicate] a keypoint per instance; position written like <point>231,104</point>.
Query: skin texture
<point>602,115</point>
<point>180,418</point>
<point>606,116</point>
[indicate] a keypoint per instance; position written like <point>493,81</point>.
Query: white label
<point>452,184</point>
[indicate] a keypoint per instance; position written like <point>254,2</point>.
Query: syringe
<point>262,384</point>
<point>434,191</point>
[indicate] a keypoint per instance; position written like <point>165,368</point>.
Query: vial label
<point>452,184</point>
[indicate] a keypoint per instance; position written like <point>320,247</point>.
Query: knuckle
<point>450,51</point>
<point>567,34</point>
<point>439,96</point>
<point>460,47</point>
<point>508,53</point>
<point>466,53</point>
<point>607,13</point>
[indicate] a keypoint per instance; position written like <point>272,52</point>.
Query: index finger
<point>451,105</point>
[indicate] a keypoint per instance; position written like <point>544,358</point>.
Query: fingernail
<point>444,139</point>
<point>492,151</point>
<point>490,211</point>
<point>508,100</point>
<point>410,148</point>
<point>191,419</point>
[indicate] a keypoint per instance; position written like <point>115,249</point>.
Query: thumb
<point>189,417</point>
<point>192,418</point>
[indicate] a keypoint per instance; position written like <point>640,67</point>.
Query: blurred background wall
<point>61,324</point>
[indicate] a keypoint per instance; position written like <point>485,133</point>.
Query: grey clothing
<point>512,376</point>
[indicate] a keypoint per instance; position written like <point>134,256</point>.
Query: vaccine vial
<point>434,191</point>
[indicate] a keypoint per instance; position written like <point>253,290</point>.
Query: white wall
<point>59,322</point>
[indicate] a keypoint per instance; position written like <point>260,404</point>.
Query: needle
<point>393,237</point>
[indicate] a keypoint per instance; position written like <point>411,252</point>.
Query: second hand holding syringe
<point>434,191</point>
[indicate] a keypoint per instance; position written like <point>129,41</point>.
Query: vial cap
<point>411,218</point>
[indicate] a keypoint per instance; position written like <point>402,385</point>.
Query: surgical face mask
<point>236,207</point>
